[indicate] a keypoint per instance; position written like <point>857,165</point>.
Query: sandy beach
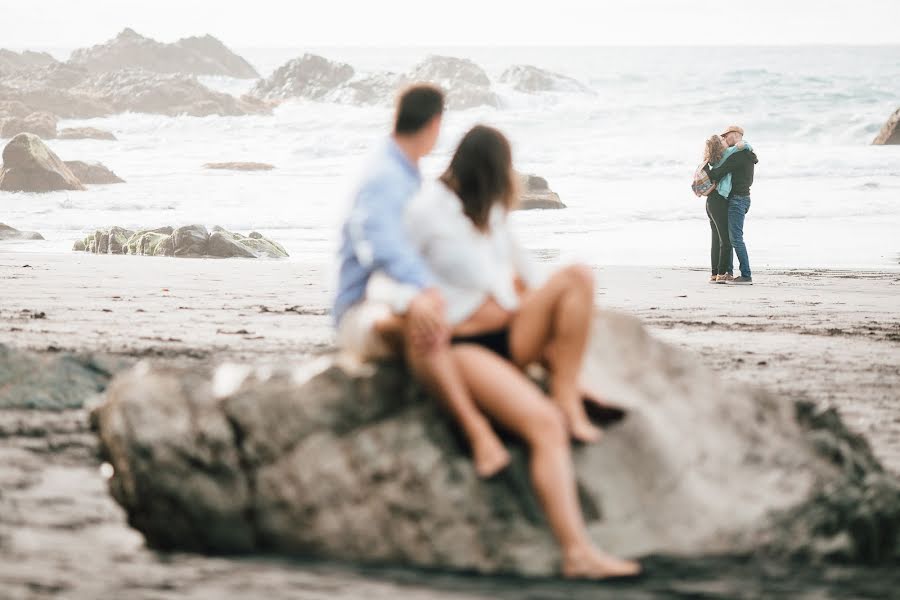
<point>832,337</point>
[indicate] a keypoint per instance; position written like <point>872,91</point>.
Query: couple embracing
<point>433,272</point>
<point>725,178</point>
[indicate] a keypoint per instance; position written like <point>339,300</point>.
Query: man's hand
<point>426,321</point>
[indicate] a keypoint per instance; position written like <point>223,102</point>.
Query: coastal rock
<point>380,88</point>
<point>9,233</point>
<point>310,76</point>
<point>56,89</point>
<point>41,124</point>
<point>466,84</point>
<point>191,56</point>
<point>890,132</point>
<point>92,173</point>
<point>354,463</point>
<point>15,61</point>
<point>85,133</point>
<point>529,79</point>
<point>30,166</point>
<point>190,241</point>
<point>13,109</point>
<point>240,166</point>
<point>536,193</point>
<point>52,381</point>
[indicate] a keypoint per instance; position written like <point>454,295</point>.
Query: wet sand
<point>832,337</point>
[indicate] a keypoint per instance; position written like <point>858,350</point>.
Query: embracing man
<point>741,166</point>
<point>373,239</point>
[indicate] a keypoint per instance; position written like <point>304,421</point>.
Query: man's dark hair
<point>418,105</point>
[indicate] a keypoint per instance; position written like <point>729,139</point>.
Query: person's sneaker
<point>721,279</point>
<point>729,277</point>
<point>713,279</point>
<point>742,280</point>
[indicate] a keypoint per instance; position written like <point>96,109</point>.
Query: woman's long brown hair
<point>481,174</point>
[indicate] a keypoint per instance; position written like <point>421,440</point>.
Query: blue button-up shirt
<point>373,236</point>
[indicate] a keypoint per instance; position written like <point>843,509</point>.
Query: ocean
<point>621,156</point>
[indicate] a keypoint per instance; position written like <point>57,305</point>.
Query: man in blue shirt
<point>373,239</point>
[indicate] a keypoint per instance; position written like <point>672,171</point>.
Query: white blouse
<point>470,265</point>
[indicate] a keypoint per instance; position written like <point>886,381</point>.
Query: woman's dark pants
<point>721,256</point>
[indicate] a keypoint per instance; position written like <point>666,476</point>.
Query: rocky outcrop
<point>190,241</point>
<point>239,166</point>
<point>536,193</point>
<point>190,56</point>
<point>310,76</point>
<point>30,166</point>
<point>8,233</point>
<point>529,79</point>
<point>52,381</point>
<point>85,133</point>
<point>15,61</point>
<point>890,132</point>
<point>466,84</point>
<point>92,173</point>
<point>70,91</point>
<point>353,463</point>
<point>41,124</point>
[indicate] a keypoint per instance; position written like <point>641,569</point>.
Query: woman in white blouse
<point>504,317</point>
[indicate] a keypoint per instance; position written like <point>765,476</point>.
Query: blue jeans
<point>737,208</point>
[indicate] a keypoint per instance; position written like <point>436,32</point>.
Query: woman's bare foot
<point>489,454</point>
<point>580,426</point>
<point>590,563</point>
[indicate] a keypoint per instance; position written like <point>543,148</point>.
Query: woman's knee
<point>580,277</point>
<point>546,426</point>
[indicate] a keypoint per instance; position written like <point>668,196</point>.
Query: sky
<point>296,23</point>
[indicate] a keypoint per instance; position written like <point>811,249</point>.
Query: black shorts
<point>495,341</point>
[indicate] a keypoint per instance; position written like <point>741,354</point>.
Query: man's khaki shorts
<point>356,333</point>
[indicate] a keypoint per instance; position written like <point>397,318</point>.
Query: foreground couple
<point>434,272</point>
<point>725,178</point>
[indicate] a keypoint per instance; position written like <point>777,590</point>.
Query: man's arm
<point>379,240</point>
<point>730,164</point>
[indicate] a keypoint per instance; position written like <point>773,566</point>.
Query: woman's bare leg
<point>438,371</point>
<point>505,394</point>
<point>553,323</point>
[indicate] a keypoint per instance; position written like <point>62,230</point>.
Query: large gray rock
<point>536,193</point>
<point>85,133</point>
<point>890,132</point>
<point>190,241</point>
<point>41,124</point>
<point>52,381</point>
<point>16,61</point>
<point>355,464</point>
<point>9,233</point>
<point>30,166</point>
<point>191,56</point>
<point>71,91</point>
<point>310,76</point>
<point>466,84</point>
<point>529,79</point>
<point>92,173</point>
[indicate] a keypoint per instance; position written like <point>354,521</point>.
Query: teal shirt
<point>724,186</point>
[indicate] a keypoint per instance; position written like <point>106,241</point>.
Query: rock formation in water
<point>9,233</point>
<point>536,193</point>
<point>890,132</point>
<point>15,61</point>
<point>317,78</point>
<point>526,78</point>
<point>239,166</point>
<point>310,76</point>
<point>85,133</point>
<point>73,92</point>
<point>41,124</point>
<point>53,381</point>
<point>190,241</point>
<point>30,166</point>
<point>355,464</point>
<point>190,56</point>
<point>92,173</point>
